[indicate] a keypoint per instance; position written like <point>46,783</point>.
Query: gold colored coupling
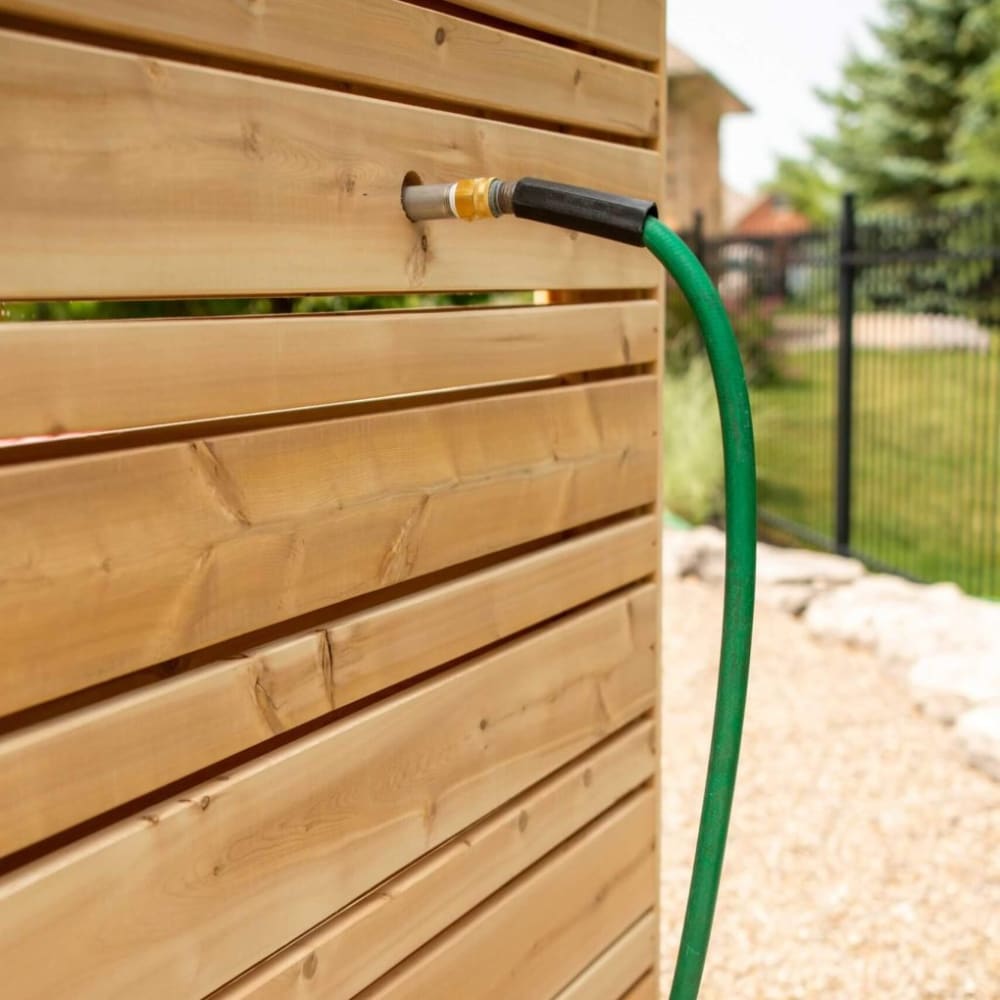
<point>472,198</point>
<point>469,199</point>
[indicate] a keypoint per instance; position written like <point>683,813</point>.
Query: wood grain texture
<point>633,28</point>
<point>77,765</point>
<point>98,376</point>
<point>619,968</point>
<point>539,933</point>
<point>178,901</point>
<point>116,561</point>
<point>128,176</point>
<point>387,44</point>
<point>369,938</point>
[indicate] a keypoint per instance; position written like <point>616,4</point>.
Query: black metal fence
<point>878,414</point>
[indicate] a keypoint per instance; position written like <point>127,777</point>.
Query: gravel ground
<point>864,858</point>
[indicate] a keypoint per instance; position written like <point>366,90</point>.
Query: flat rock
<point>786,566</point>
<point>979,733</point>
<point>792,598</point>
<point>787,579</point>
<point>903,621</point>
<point>687,553</point>
<point>945,685</point>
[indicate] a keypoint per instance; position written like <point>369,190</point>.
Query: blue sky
<point>772,53</point>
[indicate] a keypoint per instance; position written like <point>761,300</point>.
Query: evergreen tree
<point>898,113</point>
<point>808,188</point>
<point>975,149</point>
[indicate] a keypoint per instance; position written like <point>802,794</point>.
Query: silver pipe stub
<point>468,199</point>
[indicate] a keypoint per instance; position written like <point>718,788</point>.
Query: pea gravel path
<point>864,859</point>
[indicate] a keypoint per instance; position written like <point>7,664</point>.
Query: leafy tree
<point>896,113</point>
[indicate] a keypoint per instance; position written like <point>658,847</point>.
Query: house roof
<point>771,216</point>
<point>680,66</point>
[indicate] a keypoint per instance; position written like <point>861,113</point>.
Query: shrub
<point>692,443</point>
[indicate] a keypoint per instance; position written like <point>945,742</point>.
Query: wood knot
<point>250,139</point>
<point>310,965</point>
<point>588,778</point>
<point>418,259</point>
<point>439,36</point>
<point>522,821</point>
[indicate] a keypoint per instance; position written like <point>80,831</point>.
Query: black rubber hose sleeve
<point>611,216</point>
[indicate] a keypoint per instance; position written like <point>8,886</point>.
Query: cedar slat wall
<point>330,641</point>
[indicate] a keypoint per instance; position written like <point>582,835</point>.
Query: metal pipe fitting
<point>610,216</point>
<point>469,199</point>
<point>423,202</point>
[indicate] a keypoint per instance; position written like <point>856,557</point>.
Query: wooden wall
<point>329,642</point>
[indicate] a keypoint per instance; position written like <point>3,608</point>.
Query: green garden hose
<point>737,616</point>
<point>633,221</point>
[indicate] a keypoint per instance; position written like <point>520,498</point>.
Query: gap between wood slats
<point>290,838</point>
<point>98,377</point>
<point>384,48</point>
<point>541,931</point>
<point>363,941</point>
<point>216,538</point>
<point>633,27</point>
<point>619,967</point>
<point>300,624</point>
<point>71,445</point>
<point>595,45</point>
<point>645,989</point>
<point>208,183</point>
<point>313,80</point>
<point>43,17</point>
<point>77,766</point>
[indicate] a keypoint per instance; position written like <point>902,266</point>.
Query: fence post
<point>698,235</point>
<point>845,375</point>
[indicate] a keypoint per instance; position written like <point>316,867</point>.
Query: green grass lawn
<point>926,458</point>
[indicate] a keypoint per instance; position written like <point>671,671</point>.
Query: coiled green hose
<point>737,621</point>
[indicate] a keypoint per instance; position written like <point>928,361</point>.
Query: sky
<point>772,53</point>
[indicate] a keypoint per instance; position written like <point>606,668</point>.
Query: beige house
<point>696,102</point>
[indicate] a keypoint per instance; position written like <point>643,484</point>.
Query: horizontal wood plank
<point>368,939</point>
<point>179,901</point>
<point>117,561</point>
<point>128,176</point>
<point>387,44</point>
<point>634,28</point>
<point>536,935</point>
<point>74,766</point>
<point>619,968</point>
<point>98,376</point>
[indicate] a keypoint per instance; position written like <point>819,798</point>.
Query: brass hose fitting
<point>472,198</point>
<point>469,199</point>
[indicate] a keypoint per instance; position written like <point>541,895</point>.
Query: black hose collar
<point>611,216</point>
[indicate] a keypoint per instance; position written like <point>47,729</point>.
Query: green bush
<point>692,443</point>
<point>83,310</point>
<point>754,328</point>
